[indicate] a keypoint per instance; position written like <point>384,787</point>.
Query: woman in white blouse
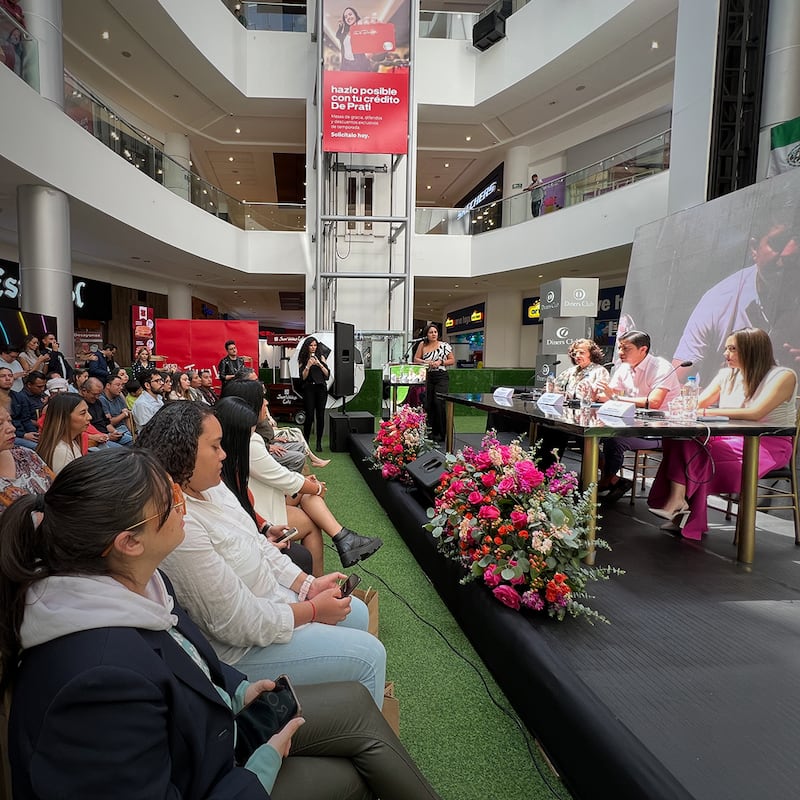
<point>259,610</point>
<point>63,429</point>
<point>437,356</point>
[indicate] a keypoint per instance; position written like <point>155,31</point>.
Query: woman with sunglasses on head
<point>252,602</point>
<point>115,691</point>
<point>283,496</point>
<point>751,387</point>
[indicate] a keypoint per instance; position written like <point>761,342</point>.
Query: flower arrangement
<point>400,440</point>
<point>521,531</point>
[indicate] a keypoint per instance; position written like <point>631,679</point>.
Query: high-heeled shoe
<point>675,525</point>
<point>669,513</point>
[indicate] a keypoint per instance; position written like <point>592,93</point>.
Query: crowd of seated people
<point>115,690</point>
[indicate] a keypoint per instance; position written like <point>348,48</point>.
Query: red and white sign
<point>365,112</point>
<point>142,329</point>
<point>375,37</point>
<point>285,339</point>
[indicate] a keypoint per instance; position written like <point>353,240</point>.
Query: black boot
<point>352,547</point>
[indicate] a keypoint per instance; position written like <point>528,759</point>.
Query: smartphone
<point>350,584</point>
<point>288,535</point>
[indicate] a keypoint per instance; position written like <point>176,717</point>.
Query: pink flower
<point>519,519</point>
<point>507,596</point>
<point>389,471</point>
<point>489,479</point>
<point>490,576</point>
<point>475,497</point>
<point>483,460</point>
<point>488,512</point>
<point>529,476</point>
<point>533,600</point>
<point>506,485</point>
<point>457,469</point>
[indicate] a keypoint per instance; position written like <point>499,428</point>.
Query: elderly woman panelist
<point>752,387</point>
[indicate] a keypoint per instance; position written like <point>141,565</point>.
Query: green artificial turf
<point>466,747</point>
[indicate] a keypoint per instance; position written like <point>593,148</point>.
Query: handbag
<point>263,718</point>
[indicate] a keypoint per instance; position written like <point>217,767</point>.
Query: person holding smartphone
<point>314,374</point>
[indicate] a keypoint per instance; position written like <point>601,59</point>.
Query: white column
<point>515,179</point>
<point>179,301</point>
<point>781,98</point>
<point>176,167</point>
<point>43,21</point>
<point>692,102</point>
<point>503,331</point>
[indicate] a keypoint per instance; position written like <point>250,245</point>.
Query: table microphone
<point>659,382</point>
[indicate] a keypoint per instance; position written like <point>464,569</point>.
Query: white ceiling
<point>180,91</point>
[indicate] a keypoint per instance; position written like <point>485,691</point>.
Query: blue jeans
<point>20,442</point>
<point>319,653</point>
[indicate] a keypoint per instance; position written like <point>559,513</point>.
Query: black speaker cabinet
<point>344,359</point>
<point>427,470</point>
<point>342,425</point>
<point>488,30</point>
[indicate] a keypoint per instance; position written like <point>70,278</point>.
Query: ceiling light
<point>446,164</point>
<point>236,291</point>
<point>469,138</point>
<point>580,88</point>
<point>552,102</point>
<point>230,158</point>
<point>541,276</point>
<point>427,187</point>
<point>654,45</point>
<point>104,35</point>
<point>126,54</point>
<point>238,130</point>
<point>238,183</point>
<point>455,285</point>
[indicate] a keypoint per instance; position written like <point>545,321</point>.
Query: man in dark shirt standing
<point>58,364</point>
<point>231,363</point>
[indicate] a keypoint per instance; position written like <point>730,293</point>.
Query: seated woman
<point>21,470</point>
<point>271,484</point>
<point>181,387</point>
<point>251,601</point>
<point>115,691</point>
<point>288,445</point>
<point>752,387</point>
<point>63,431</point>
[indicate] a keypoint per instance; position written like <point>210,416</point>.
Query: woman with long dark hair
<point>752,387</point>
<point>314,374</point>
<point>351,62</point>
<point>281,495</point>
<point>65,423</point>
<point>252,602</point>
<point>437,356</point>
<point>116,693</point>
<point>142,363</point>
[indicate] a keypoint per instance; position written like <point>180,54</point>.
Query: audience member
<point>6,382</point>
<point>91,392</point>
<point>181,384</point>
<point>246,374</point>
<point>194,387</point>
<point>21,470</point>
<point>78,379</point>
<point>103,365</point>
<point>142,363</point>
<point>259,597</point>
<point>132,391</point>
<point>116,412</point>
<point>63,431</point>
<point>26,406</point>
<point>230,364</point>
<point>287,445</point>
<point>206,388</point>
<point>271,484</point>
<point>750,387</point>
<point>8,354</point>
<point>57,363</point>
<point>107,655</point>
<point>167,385</point>
<point>150,400</point>
<point>29,356</point>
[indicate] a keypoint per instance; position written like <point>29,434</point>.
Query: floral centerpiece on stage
<point>519,530</point>
<point>400,440</point>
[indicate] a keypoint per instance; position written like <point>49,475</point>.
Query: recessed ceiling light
<point>541,276</point>
<point>136,258</point>
<point>455,285</point>
<point>126,54</point>
<point>469,138</point>
<point>238,183</point>
<point>580,88</point>
<point>230,158</point>
<point>238,130</point>
<point>552,102</point>
<point>427,187</point>
<point>236,291</point>
<point>446,164</point>
<point>104,35</point>
<point>176,96</point>
<point>654,45</point>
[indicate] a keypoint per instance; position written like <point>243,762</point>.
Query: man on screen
<point>763,295</point>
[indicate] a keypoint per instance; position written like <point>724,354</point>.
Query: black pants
<point>536,208</point>
<point>437,381</point>
<point>315,396</point>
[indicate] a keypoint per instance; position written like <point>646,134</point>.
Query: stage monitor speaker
<point>342,425</point>
<point>488,30</point>
<point>344,359</point>
<point>426,471</point>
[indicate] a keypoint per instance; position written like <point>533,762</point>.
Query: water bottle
<point>690,393</point>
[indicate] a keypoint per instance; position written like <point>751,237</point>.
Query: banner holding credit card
<point>365,76</point>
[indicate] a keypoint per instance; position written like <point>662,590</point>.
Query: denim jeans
<point>319,653</point>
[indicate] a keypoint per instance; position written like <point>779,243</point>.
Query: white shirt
<point>270,482</point>
<point>652,372</point>
<point>15,367</point>
<point>145,407</point>
<point>230,579</point>
<point>63,454</point>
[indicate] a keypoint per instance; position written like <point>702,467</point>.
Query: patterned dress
<point>33,476</point>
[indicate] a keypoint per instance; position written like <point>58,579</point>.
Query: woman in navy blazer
<point>116,693</point>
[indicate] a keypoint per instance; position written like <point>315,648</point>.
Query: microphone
<point>416,341</point>
<point>666,377</point>
<point>608,364</point>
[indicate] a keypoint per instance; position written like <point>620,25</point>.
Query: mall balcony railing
<point>148,156</point>
<point>615,172</point>
<point>19,51</point>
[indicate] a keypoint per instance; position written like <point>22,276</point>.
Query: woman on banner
<point>351,62</point>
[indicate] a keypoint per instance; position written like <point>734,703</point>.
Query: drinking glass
<point>676,408</point>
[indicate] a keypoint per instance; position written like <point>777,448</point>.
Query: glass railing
<point>148,156</point>
<point>615,172</point>
<point>270,16</point>
<point>446,25</point>
<point>19,51</point>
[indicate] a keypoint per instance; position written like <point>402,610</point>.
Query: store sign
<point>466,319</point>
<point>142,328</point>
<point>530,311</point>
<point>569,297</point>
<point>365,77</point>
<point>559,332</point>
<point>479,198</point>
<point>609,302</point>
<point>284,339</point>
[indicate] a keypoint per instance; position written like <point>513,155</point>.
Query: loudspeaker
<point>488,30</point>
<point>344,359</point>
<point>342,425</point>
<point>427,470</point>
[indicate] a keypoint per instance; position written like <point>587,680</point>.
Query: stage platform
<point>692,691</point>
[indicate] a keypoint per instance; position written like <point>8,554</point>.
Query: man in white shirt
<point>150,400</point>
<point>645,380</point>
<point>9,354</point>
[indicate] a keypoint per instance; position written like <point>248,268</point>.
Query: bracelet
<point>319,491</point>
<point>304,589</point>
<point>313,610</point>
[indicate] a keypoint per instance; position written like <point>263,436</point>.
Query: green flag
<point>784,147</point>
